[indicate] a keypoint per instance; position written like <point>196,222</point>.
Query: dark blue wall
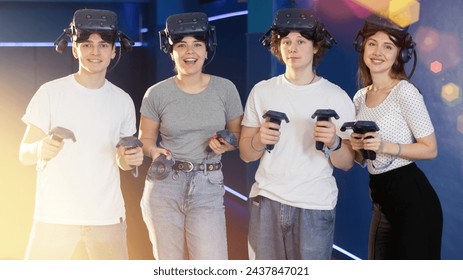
<point>242,59</point>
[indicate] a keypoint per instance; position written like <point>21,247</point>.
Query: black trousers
<point>407,217</point>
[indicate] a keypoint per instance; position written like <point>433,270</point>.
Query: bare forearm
<point>343,158</point>
<point>251,149</point>
<point>28,154</point>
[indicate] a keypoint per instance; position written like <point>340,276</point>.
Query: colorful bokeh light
<point>450,93</point>
<point>436,67</point>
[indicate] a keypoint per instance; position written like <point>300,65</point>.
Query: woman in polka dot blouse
<point>407,216</point>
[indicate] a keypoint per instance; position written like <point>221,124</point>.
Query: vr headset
<point>376,23</point>
<point>298,19</point>
<point>88,21</point>
<point>187,24</point>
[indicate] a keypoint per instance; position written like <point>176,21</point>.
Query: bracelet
<point>400,150</point>
<point>327,150</point>
<point>252,146</point>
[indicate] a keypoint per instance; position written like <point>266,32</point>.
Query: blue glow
<point>137,44</point>
<point>234,14</point>
<point>45,44</point>
<point>337,248</point>
<point>235,193</point>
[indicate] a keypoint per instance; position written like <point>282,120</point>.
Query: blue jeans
<point>282,232</point>
<point>58,242</point>
<point>185,216</point>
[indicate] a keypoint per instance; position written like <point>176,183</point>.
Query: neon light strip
<point>137,44</point>
<point>44,44</point>
<point>234,14</point>
<point>341,250</point>
<point>235,193</point>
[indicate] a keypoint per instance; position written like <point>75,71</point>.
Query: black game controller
<point>130,142</point>
<point>362,127</point>
<point>57,133</point>
<point>228,137</point>
<point>60,133</point>
<point>274,117</point>
<point>323,115</point>
<point>160,168</point>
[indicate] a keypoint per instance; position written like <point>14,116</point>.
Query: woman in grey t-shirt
<point>184,210</point>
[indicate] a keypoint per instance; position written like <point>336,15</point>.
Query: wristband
<point>327,150</point>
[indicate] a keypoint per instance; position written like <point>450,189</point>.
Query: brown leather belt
<point>187,166</point>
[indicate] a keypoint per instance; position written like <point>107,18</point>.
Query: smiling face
<point>380,53</point>
<point>296,51</point>
<point>94,54</point>
<point>189,55</point>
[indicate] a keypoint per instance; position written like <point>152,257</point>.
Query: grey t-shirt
<point>188,121</point>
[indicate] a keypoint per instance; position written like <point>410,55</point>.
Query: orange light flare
<point>404,12</point>
<point>450,93</point>
<point>401,12</point>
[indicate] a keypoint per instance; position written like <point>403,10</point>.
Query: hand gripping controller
<point>57,133</point>
<point>363,127</point>
<point>227,136</point>
<point>323,115</point>
<point>274,117</point>
<point>160,168</point>
<point>130,142</point>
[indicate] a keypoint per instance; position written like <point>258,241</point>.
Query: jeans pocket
<point>215,178</point>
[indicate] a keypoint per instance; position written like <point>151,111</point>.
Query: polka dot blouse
<point>401,117</point>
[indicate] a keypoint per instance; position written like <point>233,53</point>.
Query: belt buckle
<point>191,166</point>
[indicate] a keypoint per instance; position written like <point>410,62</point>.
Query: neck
<point>383,85</point>
<point>192,83</point>
<point>300,78</point>
<point>91,81</point>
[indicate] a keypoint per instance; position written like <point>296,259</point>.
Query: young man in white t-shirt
<point>78,197</point>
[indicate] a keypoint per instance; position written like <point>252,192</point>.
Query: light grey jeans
<point>282,232</point>
<point>185,216</point>
<point>58,242</point>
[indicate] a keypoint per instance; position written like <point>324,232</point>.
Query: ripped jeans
<point>185,216</point>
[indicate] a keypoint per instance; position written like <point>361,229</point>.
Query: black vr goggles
<point>298,19</point>
<point>88,21</point>
<point>187,24</point>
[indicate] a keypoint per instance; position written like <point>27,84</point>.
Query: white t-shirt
<point>401,117</point>
<point>81,185</point>
<point>295,173</point>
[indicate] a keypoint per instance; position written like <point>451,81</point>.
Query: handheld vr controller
<point>130,142</point>
<point>363,127</point>
<point>57,133</point>
<point>228,137</point>
<point>160,168</point>
<point>323,115</point>
<point>274,117</point>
